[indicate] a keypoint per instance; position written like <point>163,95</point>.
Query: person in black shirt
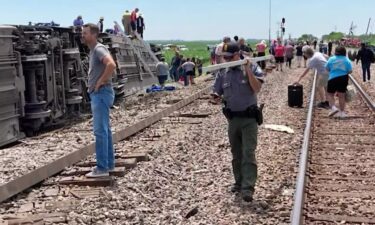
<point>367,57</point>
<point>299,54</point>
<point>175,63</point>
<point>315,43</point>
<point>245,50</point>
<point>140,25</point>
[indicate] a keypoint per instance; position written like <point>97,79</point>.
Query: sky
<point>203,19</point>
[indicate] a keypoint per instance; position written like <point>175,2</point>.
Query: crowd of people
<point>237,87</point>
<point>132,22</point>
<point>333,74</point>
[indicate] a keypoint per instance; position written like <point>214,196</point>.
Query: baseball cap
<point>230,48</point>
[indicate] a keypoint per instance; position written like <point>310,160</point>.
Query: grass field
<point>197,49</point>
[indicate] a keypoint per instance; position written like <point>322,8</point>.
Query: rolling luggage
<point>295,95</point>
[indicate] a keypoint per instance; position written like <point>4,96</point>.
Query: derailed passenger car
<point>43,75</point>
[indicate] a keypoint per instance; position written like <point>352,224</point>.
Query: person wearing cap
<point>238,87</point>
<point>100,24</point>
<point>126,22</point>
<point>140,24</point>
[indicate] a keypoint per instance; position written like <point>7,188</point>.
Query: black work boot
<point>247,196</point>
<point>235,188</point>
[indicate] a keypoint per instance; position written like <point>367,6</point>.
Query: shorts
<point>190,73</point>
<point>162,79</point>
<point>279,59</point>
<point>304,57</point>
<point>322,80</point>
<point>338,84</point>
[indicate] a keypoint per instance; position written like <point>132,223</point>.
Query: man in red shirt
<point>133,19</point>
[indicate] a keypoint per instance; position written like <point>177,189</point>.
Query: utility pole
<point>269,26</point>
<point>368,25</point>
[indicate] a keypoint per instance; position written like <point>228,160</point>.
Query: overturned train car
<point>43,76</point>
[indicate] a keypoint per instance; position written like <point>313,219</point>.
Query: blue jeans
<point>101,102</point>
<point>173,73</point>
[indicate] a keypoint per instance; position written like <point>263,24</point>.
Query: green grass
<point>197,49</point>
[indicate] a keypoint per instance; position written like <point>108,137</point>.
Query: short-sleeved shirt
<point>305,47</point>
<point>188,66</point>
<point>261,47</point>
<point>299,51</point>
<point>162,69</point>
<point>78,22</point>
<point>279,51</point>
<point>318,62</point>
<point>96,67</point>
<point>133,16</point>
<point>338,66</point>
<point>234,85</point>
<point>289,51</point>
<point>219,49</point>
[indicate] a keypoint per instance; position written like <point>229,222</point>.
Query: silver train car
<point>43,76</point>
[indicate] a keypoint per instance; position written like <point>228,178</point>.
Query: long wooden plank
<point>234,63</point>
<point>28,180</point>
<point>339,218</point>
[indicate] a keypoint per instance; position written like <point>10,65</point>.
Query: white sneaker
<point>343,115</point>
<point>333,111</point>
<point>96,173</point>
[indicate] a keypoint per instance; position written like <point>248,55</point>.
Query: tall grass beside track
<point>197,49</point>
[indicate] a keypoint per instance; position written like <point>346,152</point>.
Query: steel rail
<point>299,195</point>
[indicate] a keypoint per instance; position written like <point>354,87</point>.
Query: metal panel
<point>9,97</point>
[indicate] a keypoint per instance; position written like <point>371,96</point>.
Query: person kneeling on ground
<point>162,71</point>
<point>339,67</point>
<point>317,61</point>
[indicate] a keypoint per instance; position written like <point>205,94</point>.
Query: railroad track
<point>72,167</point>
<point>336,173</point>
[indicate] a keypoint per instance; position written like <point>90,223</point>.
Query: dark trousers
<point>289,61</point>
<point>243,136</point>
<point>133,25</point>
<point>262,64</point>
<point>329,51</point>
<point>140,31</point>
<point>366,70</point>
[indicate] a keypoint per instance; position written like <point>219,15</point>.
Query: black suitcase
<point>295,95</point>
